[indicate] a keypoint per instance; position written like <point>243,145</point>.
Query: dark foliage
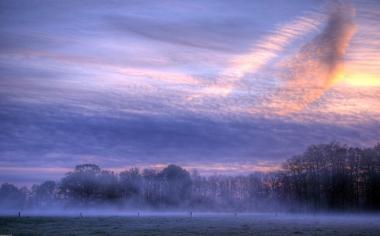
<point>325,177</point>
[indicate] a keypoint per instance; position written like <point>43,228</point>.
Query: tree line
<point>326,177</point>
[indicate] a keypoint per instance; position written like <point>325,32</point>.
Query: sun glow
<point>362,80</point>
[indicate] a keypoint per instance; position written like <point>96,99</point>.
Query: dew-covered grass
<point>199,224</point>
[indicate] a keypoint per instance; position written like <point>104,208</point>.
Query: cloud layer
<point>201,84</point>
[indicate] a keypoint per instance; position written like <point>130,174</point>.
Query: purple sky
<point>220,86</point>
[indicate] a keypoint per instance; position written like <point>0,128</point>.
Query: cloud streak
<point>318,65</point>
<point>262,52</point>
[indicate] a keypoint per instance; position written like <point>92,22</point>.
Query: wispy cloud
<point>318,65</point>
<point>262,52</point>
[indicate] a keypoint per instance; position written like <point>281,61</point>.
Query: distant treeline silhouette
<point>326,177</point>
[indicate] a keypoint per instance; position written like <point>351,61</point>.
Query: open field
<point>258,224</point>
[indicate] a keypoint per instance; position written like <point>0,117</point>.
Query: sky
<point>225,87</point>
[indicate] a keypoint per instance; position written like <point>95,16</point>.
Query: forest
<point>325,178</point>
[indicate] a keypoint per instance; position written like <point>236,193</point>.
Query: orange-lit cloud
<point>213,168</point>
<point>363,64</point>
<point>318,65</point>
<point>205,169</point>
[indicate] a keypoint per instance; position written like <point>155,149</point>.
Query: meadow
<point>199,224</point>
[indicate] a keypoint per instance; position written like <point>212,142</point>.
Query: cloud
<point>63,135</point>
<point>363,64</point>
<point>205,34</point>
<point>318,65</point>
<point>107,83</point>
<point>261,53</point>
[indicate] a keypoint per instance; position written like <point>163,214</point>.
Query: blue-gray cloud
<point>109,81</point>
<point>31,133</point>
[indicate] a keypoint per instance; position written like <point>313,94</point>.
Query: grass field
<point>264,224</point>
